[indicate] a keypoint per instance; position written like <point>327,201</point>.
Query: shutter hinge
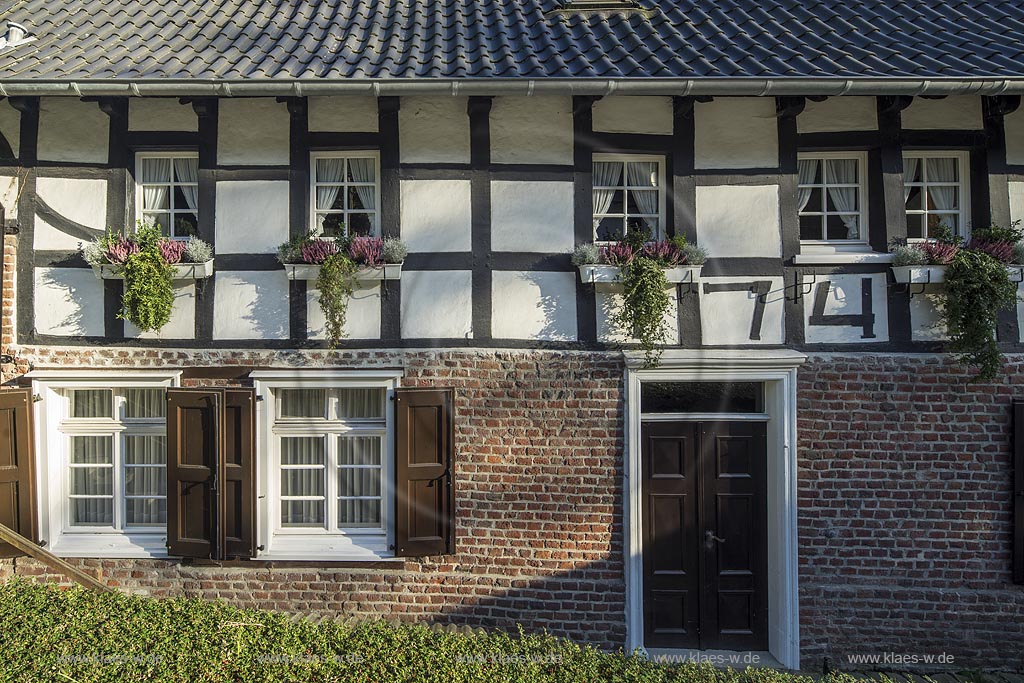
<point>259,398</point>
<point>41,543</point>
<point>36,398</point>
<point>261,548</point>
<point>6,358</point>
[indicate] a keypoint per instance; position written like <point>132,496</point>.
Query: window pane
<point>360,224</point>
<point>155,170</point>
<point>92,481</point>
<point>642,173</point>
<point>302,513</point>
<point>358,481</point>
<point>330,170</point>
<point>302,482</point>
<point>302,402</point>
<point>915,226</point>
<point>361,403</point>
<point>841,171</point>
<point>91,449</point>
<point>810,227</point>
<point>145,481</point>
<point>186,225</point>
<point>610,229</point>
<point>912,164</point>
<point>362,197</point>
<point>702,397</point>
<point>607,173</point>
<point>843,199</point>
<point>943,198</point>
<point>943,170</point>
<point>950,221</point>
<point>842,227</point>
<point>618,203</point>
<point>92,512</point>
<point>302,450</point>
<point>361,170</point>
<point>914,199</point>
<point>186,170</point>
<point>146,512</point>
<point>332,224</point>
<point>815,203</point>
<point>359,450</point>
<point>635,224</point>
<point>359,513</point>
<point>144,403</point>
<point>145,450</point>
<point>92,403</point>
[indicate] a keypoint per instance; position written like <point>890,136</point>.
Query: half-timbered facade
<point>806,473</point>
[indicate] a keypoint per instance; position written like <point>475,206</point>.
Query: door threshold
<point>736,659</point>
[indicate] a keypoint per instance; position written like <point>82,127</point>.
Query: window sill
<point>841,258</point>
<point>113,546</point>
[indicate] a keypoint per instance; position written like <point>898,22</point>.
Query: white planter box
<point>936,275</point>
<point>603,274</point>
<point>309,271</point>
<point>182,271</point>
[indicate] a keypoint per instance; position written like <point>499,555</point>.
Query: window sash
<point>823,187</point>
<point>346,212</point>
<point>626,187</point>
<point>173,209</point>
<point>962,187</point>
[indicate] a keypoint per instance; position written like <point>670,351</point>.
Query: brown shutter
<point>424,454</point>
<point>17,467</point>
<point>1018,491</point>
<point>238,474</point>
<point>192,445</point>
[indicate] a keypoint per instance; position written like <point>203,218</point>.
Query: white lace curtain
<point>844,172</point>
<point>644,174</point>
<point>187,171</point>
<point>328,171</point>
<point>942,171</point>
<point>95,482</point>
<point>608,173</point>
<point>303,461</point>
<point>806,169</point>
<point>145,480</point>
<point>359,481</point>
<point>155,196</point>
<point>909,173</point>
<point>362,172</point>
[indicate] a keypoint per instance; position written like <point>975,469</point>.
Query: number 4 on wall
<point>865,319</point>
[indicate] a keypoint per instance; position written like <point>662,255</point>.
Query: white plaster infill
<point>182,271</point>
<point>777,369</point>
<point>605,274</point>
<point>311,271</point>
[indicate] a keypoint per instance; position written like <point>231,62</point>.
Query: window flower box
<point>311,271</point>
<point>936,275</point>
<point>182,271</point>
<point>605,274</point>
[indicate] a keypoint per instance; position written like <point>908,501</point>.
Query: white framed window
<point>936,188</point>
<point>327,453</point>
<point>832,198</point>
<point>101,449</point>
<point>628,195</point>
<point>167,191</point>
<point>345,193</point>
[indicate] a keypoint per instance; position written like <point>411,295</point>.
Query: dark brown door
<point>705,535</point>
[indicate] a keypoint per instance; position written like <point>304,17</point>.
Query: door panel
<point>705,535</point>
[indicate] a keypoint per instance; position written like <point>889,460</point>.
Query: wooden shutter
<point>238,474</point>
<point>424,454</point>
<point>1018,491</point>
<point>17,467</point>
<point>192,444</point>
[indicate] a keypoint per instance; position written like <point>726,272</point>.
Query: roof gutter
<point>517,86</point>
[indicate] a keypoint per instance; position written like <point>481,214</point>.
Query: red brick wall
<point>905,500</point>
<point>539,439</point>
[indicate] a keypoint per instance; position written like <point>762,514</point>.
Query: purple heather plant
<point>939,253</point>
<point>367,251</point>
<point>120,248</point>
<point>1000,250</point>
<point>665,253</point>
<point>172,250</point>
<point>618,254</point>
<point>317,251</point>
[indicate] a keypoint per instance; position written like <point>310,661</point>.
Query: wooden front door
<point>705,552</point>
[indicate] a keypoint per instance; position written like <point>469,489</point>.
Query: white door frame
<point>777,369</point>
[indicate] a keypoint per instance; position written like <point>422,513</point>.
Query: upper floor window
<point>345,193</point>
<point>935,187</point>
<point>629,195</point>
<point>167,191</point>
<point>831,196</point>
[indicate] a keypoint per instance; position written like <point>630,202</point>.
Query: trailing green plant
<point>148,282</point>
<point>645,302</point>
<point>978,287</point>
<point>336,283</point>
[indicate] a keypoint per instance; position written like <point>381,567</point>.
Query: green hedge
<point>49,634</point>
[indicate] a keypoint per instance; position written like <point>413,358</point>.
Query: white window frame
<point>964,196</point>
<point>625,187</point>
<point>329,543</point>
<point>860,244</point>
<point>140,212</point>
<point>314,223</point>
<point>53,460</point>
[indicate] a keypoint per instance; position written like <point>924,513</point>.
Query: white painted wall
<point>531,130</point>
<point>433,130</point>
<point>437,304</point>
<point>72,130</point>
<point>1013,125</point>
<point>183,317</point>
<point>532,216</point>
<point>726,317</point>
<point>252,216</point>
<point>1016,201</point>
<point>352,114</point>
<point>626,114</point>
<point>68,302</point>
<point>436,215</point>
<point>609,300</point>
<point>533,305</point>
<point>362,321</point>
<point>962,112</point>
<point>926,317</point>
<point>736,132</point>
<point>161,113</point>
<point>844,298</point>
<point>739,220</point>
<point>10,126</point>
<point>9,187</point>
<point>838,114</point>
<point>252,131</point>
<point>251,305</point>
<point>82,200</point>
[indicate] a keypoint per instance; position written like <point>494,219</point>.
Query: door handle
<point>710,539</point>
